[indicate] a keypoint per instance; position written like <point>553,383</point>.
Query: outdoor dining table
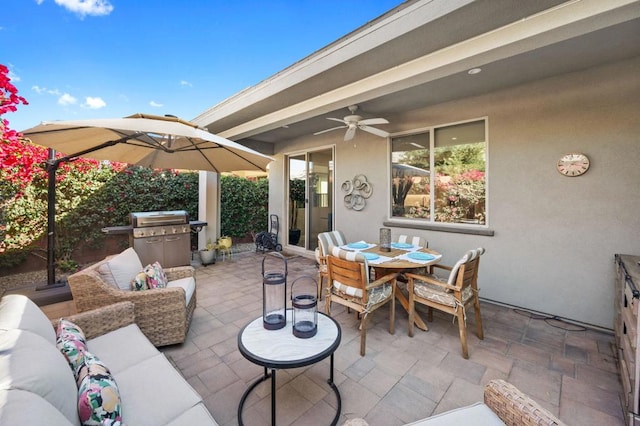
<point>401,257</point>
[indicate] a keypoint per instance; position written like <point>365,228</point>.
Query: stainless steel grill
<point>162,236</point>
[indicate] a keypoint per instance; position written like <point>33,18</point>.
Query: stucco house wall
<point>554,237</point>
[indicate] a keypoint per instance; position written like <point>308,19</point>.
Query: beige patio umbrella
<point>146,140</point>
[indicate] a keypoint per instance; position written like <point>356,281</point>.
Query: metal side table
<point>280,349</point>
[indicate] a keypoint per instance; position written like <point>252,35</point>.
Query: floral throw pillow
<point>71,342</point>
<point>99,401</point>
<point>156,278</point>
<point>139,283</point>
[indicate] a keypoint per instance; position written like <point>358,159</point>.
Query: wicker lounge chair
<point>162,314</point>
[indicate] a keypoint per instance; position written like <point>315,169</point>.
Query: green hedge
<point>89,199</point>
<point>244,206</point>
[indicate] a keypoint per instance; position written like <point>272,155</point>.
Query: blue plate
<point>402,245</point>
<point>370,256</point>
<point>417,255</point>
<point>357,245</point>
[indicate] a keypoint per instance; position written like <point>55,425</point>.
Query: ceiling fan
<point>353,122</point>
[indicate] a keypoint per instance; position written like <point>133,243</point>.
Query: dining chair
<point>349,286</point>
<point>452,295</point>
<point>416,241</point>
<point>325,241</point>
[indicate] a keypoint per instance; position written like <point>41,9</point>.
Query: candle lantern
<point>274,295</point>
<point>385,239</point>
<point>305,310</point>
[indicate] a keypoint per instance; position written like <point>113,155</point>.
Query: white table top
<point>281,349</point>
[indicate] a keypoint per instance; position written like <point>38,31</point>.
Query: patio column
<point>209,207</point>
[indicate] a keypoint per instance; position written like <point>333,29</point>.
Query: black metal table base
<point>272,375</point>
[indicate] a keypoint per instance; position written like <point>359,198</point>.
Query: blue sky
<point>80,59</point>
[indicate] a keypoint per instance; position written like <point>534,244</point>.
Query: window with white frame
<point>438,175</point>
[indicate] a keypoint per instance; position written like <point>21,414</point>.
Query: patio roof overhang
<point>419,54</point>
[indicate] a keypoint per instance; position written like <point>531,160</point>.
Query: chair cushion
<point>328,239</point>
<point>415,241</point>
<point>376,295</point>
<point>98,395</point>
<point>440,294</point>
<point>188,284</point>
<point>19,312</point>
<point>196,415</point>
<point>121,269</point>
<point>352,256</point>
<point>122,348</point>
<point>28,362</point>
<point>476,414</point>
<point>154,393</point>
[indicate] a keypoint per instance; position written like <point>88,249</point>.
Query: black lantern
<point>274,296</point>
<point>385,239</point>
<point>305,311</point>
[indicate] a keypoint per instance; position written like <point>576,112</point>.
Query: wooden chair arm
<point>445,267</point>
<point>382,280</point>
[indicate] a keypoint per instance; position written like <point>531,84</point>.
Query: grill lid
<point>160,218</point>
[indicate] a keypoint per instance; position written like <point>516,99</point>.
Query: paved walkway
<point>569,370</point>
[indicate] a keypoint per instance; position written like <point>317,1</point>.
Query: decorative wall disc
<point>357,191</point>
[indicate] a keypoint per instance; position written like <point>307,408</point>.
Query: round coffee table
<point>280,349</point>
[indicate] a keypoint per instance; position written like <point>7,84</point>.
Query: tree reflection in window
<point>459,174</point>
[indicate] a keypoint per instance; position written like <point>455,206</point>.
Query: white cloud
<point>94,103</point>
<point>39,2</point>
<point>40,90</point>
<point>67,99</point>
<point>155,104</point>
<point>87,7</point>
<point>12,76</point>
<point>185,83</point>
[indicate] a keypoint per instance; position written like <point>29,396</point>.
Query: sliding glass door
<point>310,197</point>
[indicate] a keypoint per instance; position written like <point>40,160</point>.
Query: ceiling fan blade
<point>377,132</point>
<point>351,132</point>
<point>337,119</point>
<point>328,130</point>
<point>373,121</point>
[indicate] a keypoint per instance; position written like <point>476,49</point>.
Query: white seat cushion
<point>188,284</point>
<point>19,312</point>
<point>154,393</point>
<point>198,415</point>
<point>477,414</point>
<point>121,269</point>
<point>122,348</point>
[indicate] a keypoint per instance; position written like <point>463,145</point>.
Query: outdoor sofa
<point>38,385</point>
<point>163,314</point>
<point>504,404</point>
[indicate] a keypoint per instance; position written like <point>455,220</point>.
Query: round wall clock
<point>573,164</point>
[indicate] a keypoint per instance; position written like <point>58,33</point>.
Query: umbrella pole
<point>52,167</point>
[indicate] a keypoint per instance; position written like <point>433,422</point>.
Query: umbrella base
<point>45,294</point>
